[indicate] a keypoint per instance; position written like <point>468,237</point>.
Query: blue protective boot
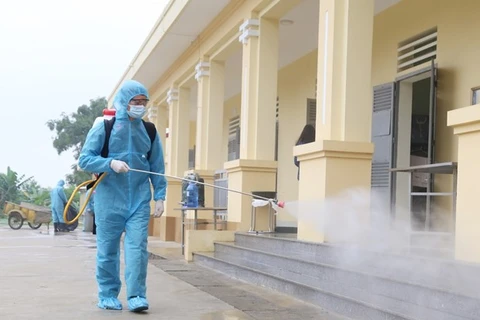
<point>137,304</point>
<point>110,304</point>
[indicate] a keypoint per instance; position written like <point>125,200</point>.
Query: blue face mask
<point>137,112</point>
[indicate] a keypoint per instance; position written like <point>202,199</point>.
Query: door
<point>432,113</point>
<point>382,138</point>
<point>431,140</point>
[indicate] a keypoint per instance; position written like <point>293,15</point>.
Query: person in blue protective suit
<point>58,201</point>
<point>122,199</point>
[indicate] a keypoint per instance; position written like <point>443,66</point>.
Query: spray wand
<point>279,203</point>
<point>273,202</point>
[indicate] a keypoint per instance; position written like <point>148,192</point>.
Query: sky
<point>56,55</point>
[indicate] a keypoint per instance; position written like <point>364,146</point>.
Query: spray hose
<point>97,181</point>
<point>69,203</point>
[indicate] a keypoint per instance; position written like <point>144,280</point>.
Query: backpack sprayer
<point>95,182</point>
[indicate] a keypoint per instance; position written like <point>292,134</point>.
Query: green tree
<point>71,132</point>
<point>32,192</point>
<point>10,184</point>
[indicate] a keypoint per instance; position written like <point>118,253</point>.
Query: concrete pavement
<point>45,276</point>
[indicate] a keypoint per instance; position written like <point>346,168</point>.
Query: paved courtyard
<point>45,276</point>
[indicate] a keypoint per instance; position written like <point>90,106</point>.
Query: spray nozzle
<point>280,204</point>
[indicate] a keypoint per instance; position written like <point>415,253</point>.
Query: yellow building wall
<point>457,26</point>
<point>193,134</point>
<point>457,57</point>
<point>296,84</point>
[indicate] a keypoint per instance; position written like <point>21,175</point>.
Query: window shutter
<point>417,50</point>
<point>191,158</point>
<point>382,137</point>
<point>311,111</point>
<point>234,138</point>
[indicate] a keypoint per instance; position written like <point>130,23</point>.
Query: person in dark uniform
<point>307,136</point>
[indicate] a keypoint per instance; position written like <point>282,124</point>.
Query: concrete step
<point>434,240</point>
<point>372,289</point>
<point>448,275</point>
<point>431,245</point>
<point>333,302</point>
<point>256,302</point>
<point>419,251</point>
<point>327,297</point>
